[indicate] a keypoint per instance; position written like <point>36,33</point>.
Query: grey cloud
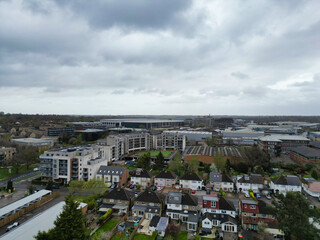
<point>137,14</point>
<point>240,75</point>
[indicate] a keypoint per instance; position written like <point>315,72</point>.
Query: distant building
<point>314,136</point>
<point>73,163</point>
<point>36,142</point>
<point>193,135</point>
<point>241,137</point>
<point>141,123</point>
<point>304,154</point>
<point>6,154</point>
<point>55,132</point>
<point>276,144</point>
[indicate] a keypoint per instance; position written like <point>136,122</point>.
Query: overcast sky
<point>160,57</point>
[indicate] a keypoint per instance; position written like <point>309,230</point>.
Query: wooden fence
<point>28,209</point>
<point>136,228</point>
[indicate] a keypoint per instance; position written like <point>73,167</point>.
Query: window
<point>111,200</point>
<point>119,201</point>
<point>213,204</point>
<point>192,226</point>
<point>252,206</point>
<point>223,211</point>
<point>185,206</point>
<point>204,202</point>
<point>245,206</point>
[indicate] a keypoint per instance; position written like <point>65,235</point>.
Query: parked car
<point>153,188</point>
<point>203,188</point>
<point>258,195</point>
<point>193,191</point>
<point>55,186</point>
<point>10,227</point>
<point>246,194</point>
<point>319,199</point>
<point>132,186</point>
<point>268,197</point>
<point>113,186</point>
<point>128,185</point>
<point>36,169</point>
<point>206,231</point>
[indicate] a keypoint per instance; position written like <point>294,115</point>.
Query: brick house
<point>165,179</point>
<point>142,177</point>
<point>148,204</point>
<point>118,199</point>
<point>112,174</point>
<point>220,205</point>
<point>220,181</point>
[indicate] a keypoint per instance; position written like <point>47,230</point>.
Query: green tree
<point>49,185</point>
<point>70,224</point>
<point>214,141</point>
<point>9,185</point>
<point>176,164</point>
<point>228,165</point>
<point>95,186</point>
<point>315,174</point>
<point>159,162</point>
<point>256,156</point>
<point>293,212</point>
<point>219,160</point>
<point>207,167</point>
<point>29,155</point>
<point>144,161</point>
<point>193,164</point>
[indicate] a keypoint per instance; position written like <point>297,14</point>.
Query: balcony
<point>75,172</point>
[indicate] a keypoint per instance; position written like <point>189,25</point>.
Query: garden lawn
<point>122,236</point>
<point>4,172</point>
<point>107,226</point>
<point>183,235</point>
<point>140,236</point>
<point>156,153</point>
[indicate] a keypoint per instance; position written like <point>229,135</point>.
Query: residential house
<point>148,204</point>
<point>191,180</point>
<point>142,177</point>
<point>284,184</point>
<point>220,205</point>
<point>159,224</point>
<point>165,179</point>
<point>113,174</point>
<point>255,182</point>
<point>312,187</point>
<point>221,181</point>
<point>226,222</point>
<point>118,199</point>
<point>183,207</point>
<point>253,212</point>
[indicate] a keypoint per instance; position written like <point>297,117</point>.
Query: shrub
<point>105,216</point>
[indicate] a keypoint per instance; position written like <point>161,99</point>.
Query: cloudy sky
<point>160,57</point>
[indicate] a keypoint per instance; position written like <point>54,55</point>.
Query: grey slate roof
<point>181,198</point>
<point>191,176</point>
<point>162,224</point>
<point>287,180</point>
<point>119,194</point>
<point>154,221</point>
<point>166,175</point>
<point>149,196</point>
<point>194,218</point>
<point>111,170</point>
<point>215,177</point>
<point>141,173</point>
<point>221,217</point>
<point>307,151</point>
<point>253,178</point>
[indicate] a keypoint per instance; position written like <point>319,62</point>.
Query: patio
<point>144,227</point>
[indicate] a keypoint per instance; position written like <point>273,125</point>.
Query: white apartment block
<point>74,163</point>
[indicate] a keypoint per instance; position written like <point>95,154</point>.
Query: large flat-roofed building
<point>193,135</point>
<point>37,142</point>
<point>314,136</point>
<point>6,154</point>
<point>74,163</point>
<point>276,144</point>
<point>41,222</point>
<point>304,154</point>
<point>55,132</point>
<point>242,137</point>
<point>142,123</point>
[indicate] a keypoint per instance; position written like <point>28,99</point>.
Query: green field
<point>183,235</point>
<point>4,172</point>
<point>140,236</point>
<point>155,153</point>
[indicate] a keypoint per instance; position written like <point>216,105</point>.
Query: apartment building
<point>142,177</point>
<point>284,184</point>
<point>6,154</point>
<point>113,174</point>
<point>276,143</point>
<point>184,207</point>
<point>148,204</point>
<point>165,179</point>
<point>73,163</point>
<point>173,140</point>
<point>220,181</point>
